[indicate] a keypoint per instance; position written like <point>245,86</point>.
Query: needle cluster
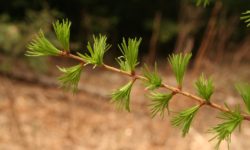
<point>128,61</point>
<point>71,76</point>
<point>41,46</point>
<point>153,79</point>
<point>204,3</point>
<point>178,63</point>
<point>204,87</point>
<point>246,17</point>
<point>96,51</point>
<point>244,91</point>
<point>62,30</point>
<point>184,119</point>
<point>159,102</point>
<point>223,131</point>
<point>121,96</point>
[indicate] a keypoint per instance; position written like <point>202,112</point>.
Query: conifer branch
<point>163,85</point>
<point>128,62</point>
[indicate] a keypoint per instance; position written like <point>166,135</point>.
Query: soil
<point>38,117</point>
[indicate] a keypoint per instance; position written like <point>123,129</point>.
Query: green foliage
<point>159,103</point>
<point>11,37</point>
<point>246,16</point>
<point>244,91</point>
<point>204,87</point>
<point>154,80</point>
<point>121,97</point>
<point>179,64</point>
<point>128,61</point>
<point>97,51</point>
<point>224,130</point>
<point>16,34</point>
<point>202,2</point>
<point>40,46</point>
<point>184,119</point>
<point>70,78</point>
<point>62,31</point>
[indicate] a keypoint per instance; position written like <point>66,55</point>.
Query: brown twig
<point>163,85</point>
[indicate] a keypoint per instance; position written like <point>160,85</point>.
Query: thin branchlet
<point>121,97</point>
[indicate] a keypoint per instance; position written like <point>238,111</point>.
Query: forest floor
<point>39,117</point>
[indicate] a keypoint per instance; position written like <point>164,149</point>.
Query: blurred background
<point>35,114</point>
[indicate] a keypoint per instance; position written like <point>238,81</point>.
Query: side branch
<point>163,85</point>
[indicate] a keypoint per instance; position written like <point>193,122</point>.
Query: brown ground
<point>39,117</point>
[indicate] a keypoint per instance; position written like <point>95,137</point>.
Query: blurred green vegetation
<point>15,34</point>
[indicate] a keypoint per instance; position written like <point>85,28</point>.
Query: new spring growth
<point>223,131</point>
<point>204,3</point>
<point>62,30</point>
<point>70,78</point>
<point>204,87</point>
<point>153,79</point>
<point>178,63</point>
<point>41,46</point>
<point>184,119</point>
<point>244,91</point>
<point>96,51</point>
<point>121,96</point>
<point>246,17</point>
<point>128,61</point>
<point>159,102</point>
